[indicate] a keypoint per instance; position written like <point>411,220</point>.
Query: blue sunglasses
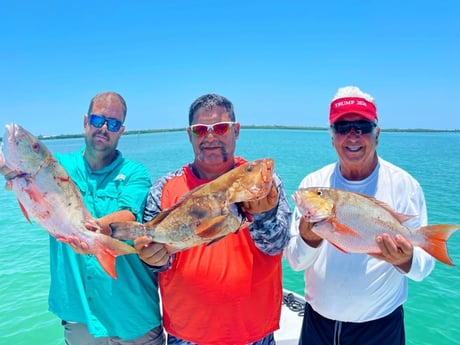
<point>98,121</point>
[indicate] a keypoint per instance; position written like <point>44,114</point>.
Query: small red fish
<point>45,191</point>
<point>351,221</point>
<point>206,213</point>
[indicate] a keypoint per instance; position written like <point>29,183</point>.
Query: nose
<point>209,132</point>
<point>356,131</point>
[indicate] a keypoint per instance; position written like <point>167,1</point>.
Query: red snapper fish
<point>206,213</point>
<point>45,191</point>
<point>351,221</point>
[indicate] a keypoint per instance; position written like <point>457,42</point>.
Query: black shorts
<point>318,330</point>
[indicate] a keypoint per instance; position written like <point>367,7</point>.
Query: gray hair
<point>353,91</point>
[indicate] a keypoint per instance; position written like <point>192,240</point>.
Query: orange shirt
<point>228,292</point>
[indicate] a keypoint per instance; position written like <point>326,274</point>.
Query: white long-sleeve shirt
<point>358,287</point>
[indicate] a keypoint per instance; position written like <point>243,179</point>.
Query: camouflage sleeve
<point>270,230</point>
<point>156,194</point>
<point>153,202</point>
<point>153,208</point>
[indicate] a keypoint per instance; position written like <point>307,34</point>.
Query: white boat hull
<point>291,319</point>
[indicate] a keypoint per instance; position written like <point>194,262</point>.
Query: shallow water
<point>432,310</point>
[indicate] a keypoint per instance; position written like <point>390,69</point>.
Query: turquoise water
<point>433,307</point>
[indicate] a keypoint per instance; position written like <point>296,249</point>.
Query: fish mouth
<point>311,207</point>
<point>9,137</point>
<point>9,132</point>
<point>258,191</point>
<point>314,217</point>
<point>261,190</point>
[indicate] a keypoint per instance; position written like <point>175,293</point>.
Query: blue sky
<point>279,62</point>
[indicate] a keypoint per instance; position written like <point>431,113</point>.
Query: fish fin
<point>106,249</point>
<point>219,238</point>
<point>180,201</point>
<point>210,227</point>
<point>344,229</point>
<point>34,193</point>
<point>436,244</point>
<point>245,222</point>
<point>162,215</point>
<point>24,211</point>
<point>127,230</point>
<point>338,227</point>
<point>339,248</point>
<point>401,217</point>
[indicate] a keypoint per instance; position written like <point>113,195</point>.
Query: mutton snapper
<point>206,213</point>
<point>351,221</point>
<point>45,191</point>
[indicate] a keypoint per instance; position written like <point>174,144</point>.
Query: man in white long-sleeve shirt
<point>355,299</point>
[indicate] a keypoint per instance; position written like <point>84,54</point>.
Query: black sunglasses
<point>360,127</point>
<point>98,121</point>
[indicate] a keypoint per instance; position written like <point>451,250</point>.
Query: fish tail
<point>106,249</point>
<point>127,230</point>
<point>436,244</point>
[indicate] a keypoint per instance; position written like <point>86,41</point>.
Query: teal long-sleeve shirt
<point>80,290</point>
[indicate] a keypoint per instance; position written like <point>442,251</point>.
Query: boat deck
<point>291,319</point>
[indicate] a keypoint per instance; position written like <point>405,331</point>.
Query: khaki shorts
<point>77,334</point>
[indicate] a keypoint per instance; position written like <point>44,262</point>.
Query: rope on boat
<point>294,304</point>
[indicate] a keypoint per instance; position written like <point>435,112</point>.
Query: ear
<point>377,133</point>
<point>236,129</point>
<point>189,132</point>
<point>85,120</point>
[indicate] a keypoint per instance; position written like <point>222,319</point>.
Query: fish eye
<point>250,167</point>
<point>319,193</point>
<point>36,147</point>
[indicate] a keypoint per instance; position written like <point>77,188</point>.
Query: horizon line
<point>285,127</point>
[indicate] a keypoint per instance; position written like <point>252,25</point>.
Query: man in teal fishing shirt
<point>94,308</point>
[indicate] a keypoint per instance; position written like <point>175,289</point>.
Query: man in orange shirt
<point>229,292</point>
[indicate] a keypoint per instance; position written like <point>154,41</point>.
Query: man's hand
<point>264,204</point>
<point>312,239</point>
<point>152,253</point>
<point>94,225</point>
<point>81,247</point>
<point>398,251</point>
<point>78,246</point>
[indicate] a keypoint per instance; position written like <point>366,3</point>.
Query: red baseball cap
<point>355,105</point>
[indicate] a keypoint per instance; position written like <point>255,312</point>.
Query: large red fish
<point>208,212</point>
<point>45,191</point>
<point>351,221</point>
